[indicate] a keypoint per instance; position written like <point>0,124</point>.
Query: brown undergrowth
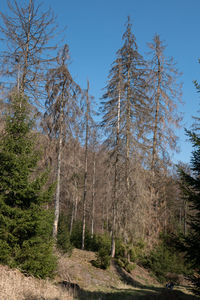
<point>15,286</point>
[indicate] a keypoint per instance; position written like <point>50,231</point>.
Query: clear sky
<point>94,34</point>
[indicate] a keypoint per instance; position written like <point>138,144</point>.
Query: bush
<point>103,259</point>
<point>76,236</point>
<point>130,267</point>
<point>63,237</point>
<point>120,249</point>
<point>100,241</point>
<point>125,264</point>
<point>101,244</point>
<point>137,252</point>
<point>165,259</point>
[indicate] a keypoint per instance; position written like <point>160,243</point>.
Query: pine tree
<point>25,223</point>
<point>190,185</point>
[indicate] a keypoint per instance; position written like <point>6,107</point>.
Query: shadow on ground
<point>140,294</point>
<point>139,291</point>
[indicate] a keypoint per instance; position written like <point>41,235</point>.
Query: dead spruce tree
<point>125,115</point>
<point>62,108</point>
<point>165,94</point>
<point>26,33</point>
<point>88,124</point>
<point>111,109</point>
<point>135,105</point>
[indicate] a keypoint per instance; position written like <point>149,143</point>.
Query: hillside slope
<point>15,286</point>
<point>114,283</point>
<point>78,279</point>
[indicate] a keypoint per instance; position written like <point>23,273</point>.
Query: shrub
<point>76,236</point>
<point>125,264</point>
<point>63,237</point>
<point>100,241</point>
<point>165,259</point>
<point>103,259</point>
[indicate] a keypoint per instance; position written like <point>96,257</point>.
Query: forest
<point>93,174</point>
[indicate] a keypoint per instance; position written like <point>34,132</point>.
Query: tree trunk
<point>57,199</point>
<point>116,174</point>
<point>23,81</point>
<point>93,194</point>
<point>128,138</point>
<point>86,167</point>
<point>157,100</point>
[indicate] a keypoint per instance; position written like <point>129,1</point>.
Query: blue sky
<point>94,34</point>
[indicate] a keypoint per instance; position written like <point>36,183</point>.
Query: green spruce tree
<point>190,185</point>
<point>25,222</point>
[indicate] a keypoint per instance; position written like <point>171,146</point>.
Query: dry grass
<point>15,286</point>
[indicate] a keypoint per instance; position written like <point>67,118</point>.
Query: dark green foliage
<point>25,224</point>
<point>100,241</point>
<point>125,264</point>
<point>63,237</point>
<point>103,259</point>
<point>127,255</point>
<point>164,259</point>
<point>120,249</point>
<point>102,245</point>
<point>76,236</point>
<point>190,185</point>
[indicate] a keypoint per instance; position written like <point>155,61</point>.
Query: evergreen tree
<point>25,223</point>
<point>190,185</point>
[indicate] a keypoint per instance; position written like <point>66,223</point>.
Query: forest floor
<point>114,283</point>
<point>78,279</point>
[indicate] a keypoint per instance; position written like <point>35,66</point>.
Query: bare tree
<point>165,95</point>
<point>27,31</point>
<point>125,110</point>
<point>62,109</point>
<point>111,107</point>
<point>88,123</point>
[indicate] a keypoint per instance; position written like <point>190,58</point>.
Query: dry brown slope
<point>15,286</point>
<point>114,283</point>
<point>78,268</point>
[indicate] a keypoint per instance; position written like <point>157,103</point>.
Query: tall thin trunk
<point>57,199</point>
<point>23,81</point>
<point>93,194</point>
<point>72,216</point>
<point>157,100</point>
<point>59,158</point>
<point>185,218</point>
<point>128,121</point>
<point>74,197</point>
<point>116,174</point>
<point>86,167</point>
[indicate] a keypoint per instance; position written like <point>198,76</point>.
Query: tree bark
<point>155,132</point>
<point>86,167</point>
<point>93,193</point>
